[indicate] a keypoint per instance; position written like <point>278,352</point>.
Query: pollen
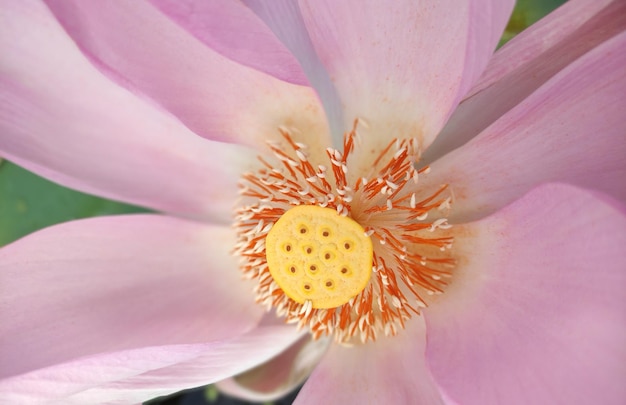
<point>352,255</point>
<point>315,254</point>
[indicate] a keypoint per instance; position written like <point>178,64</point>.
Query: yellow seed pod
<point>316,255</point>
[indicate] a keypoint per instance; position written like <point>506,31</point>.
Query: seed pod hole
<point>325,233</point>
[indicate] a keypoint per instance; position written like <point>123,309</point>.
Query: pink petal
<point>535,314</point>
<point>233,30</point>
<point>134,376</point>
<point>212,95</point>
<point>280,375</point>
<point>284,18</point>
<point>570,130</point>
<point>390,371</point>
<point>528,61</point>
<point>62,119</point>
<point>402,66</point>
<point>566,27</point>
<point>118,283</point>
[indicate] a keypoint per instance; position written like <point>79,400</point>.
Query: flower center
<point>317,255</point>
<point>344,253</point>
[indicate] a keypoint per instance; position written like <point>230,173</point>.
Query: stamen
<point>409,261</point>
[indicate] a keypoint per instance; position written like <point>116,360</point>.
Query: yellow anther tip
<point>315,254</point>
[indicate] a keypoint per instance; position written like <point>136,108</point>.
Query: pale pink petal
<point>117,283</point>
<point>535,313</point>
<point>284,18</point>
<point>214,96</point>
<point>134,376</point>
<point>575,26</point>
<point>280,375</point>
<point>487,21</point>
<point>528,61</point>
<point>233,30</point>
<point>390,371</point>
<point>62,119</point>
<point>402,66</point>
<point>570,130</point>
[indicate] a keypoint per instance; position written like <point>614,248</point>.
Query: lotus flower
<point>473,204</point>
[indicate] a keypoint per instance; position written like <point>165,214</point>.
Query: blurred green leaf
<point>526,13</point>
<point>29,202</point>
<point>211,394</point>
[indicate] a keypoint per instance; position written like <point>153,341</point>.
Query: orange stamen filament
<point>411,258</point>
